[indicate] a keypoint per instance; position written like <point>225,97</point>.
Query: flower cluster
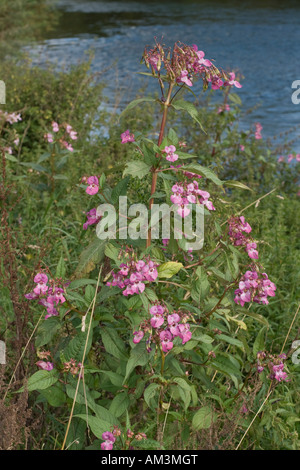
<point>10,117</point>
<point>164,327</point>
<point>254,287</point>
<point>110,438</point>
<point>72,366</point>
<point>238,233</point>
<point>189,193</point>
<point>134,273</point>
<point>258,129</point>
<point>290,158</point>
<point>127,137</point>
<point>50,296</point>
<point>223,108</point>
<point>170,150</point>
<point>184,63</point>
<point>275,365</point>
<point>67,132</point>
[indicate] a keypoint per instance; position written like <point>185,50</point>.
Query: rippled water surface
<point>260,39</point>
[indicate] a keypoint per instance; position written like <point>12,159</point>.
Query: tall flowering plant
<point>153,320</point>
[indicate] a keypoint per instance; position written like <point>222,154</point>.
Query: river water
<point>259,39</point>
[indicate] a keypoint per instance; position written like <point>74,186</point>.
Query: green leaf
<point>225,365</point>
<point>138,357</point>
<point>92,255</point>
<point>116,379</point>
<point>172,136</point>
<point>113,343</point>
<point>119,404</point>
<point>137,169</point>
<point>61,268</point>
<point>236,184</point>
<point>46,331</point>
<point>98,426</point>
<point>54,395</point>
<point>230,340</point>
<point>235,98</point>
<point>203,418</point>
<point>259,343</point>
<point>169,269</point>
<point>201,170</point>
<point>150,392</point>
<point>41,380</point>
<point>80,283</point>
<point>135,103</point>
<point>76,346</point>
<point>189,108</point>
<point>120,189</point>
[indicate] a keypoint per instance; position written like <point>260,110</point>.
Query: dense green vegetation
<point>42,215</point>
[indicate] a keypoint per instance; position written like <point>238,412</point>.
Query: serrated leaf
<point>91,255</point>
<point>113,343</point>
<point>135,103</point>
<point>236,184</point>
<point>203,171</point>
<point>119,404</point>
<point>150,392</point>
<point>138,357</point>
<point>41,380</point>
<point>203,418</point>
<point>61,268</point>
<point>259,343</point>
<point>137,169</point>
<point>189,108</point>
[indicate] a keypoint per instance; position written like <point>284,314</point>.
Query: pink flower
<point>171,155</point>
<point>41,280</point>
<point>232,81</point>
<point>137,336</point>
<point>257,134</point>
<point>55,126</point>
<point>251,250</point>
<point>242,148</point>
<point>290,157</point>
<point>13,117</point>
<point>184,332</point>
<point>48,137</point>
<point>93,185</point>
<point>201,55</point>
<point>67,145</point>
<point>109,440</point>
<point>221,109</point>
<point>45,365</point>
<point>184,78</point>
<point>127,137</point>
<point>280,159</point>
<point>156,321</point>
<point>92,218</point>
<point>166,340</point>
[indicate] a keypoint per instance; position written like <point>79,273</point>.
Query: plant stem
<point>166,105</point>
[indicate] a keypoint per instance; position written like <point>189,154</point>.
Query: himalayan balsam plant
<point>148,339</point>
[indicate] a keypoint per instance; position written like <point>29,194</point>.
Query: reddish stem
<point>160,138</point>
